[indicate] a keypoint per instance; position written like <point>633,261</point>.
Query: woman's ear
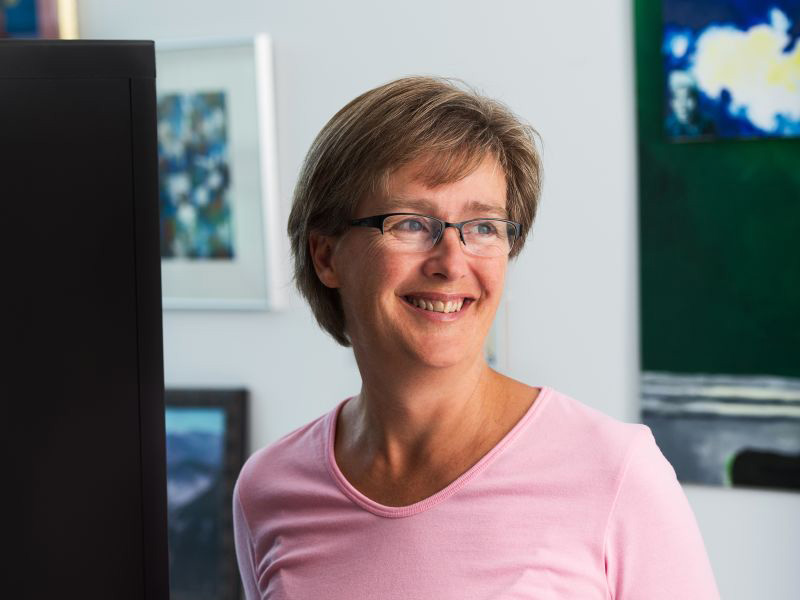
<point>322,248</point>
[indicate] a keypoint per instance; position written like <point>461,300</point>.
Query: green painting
<point>719,232</point>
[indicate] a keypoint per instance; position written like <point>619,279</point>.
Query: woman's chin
<point>440,356</point>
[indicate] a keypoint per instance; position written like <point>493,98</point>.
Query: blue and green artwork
<point>719,269</point>
<point>195,499</point>
<point>194,177</point>
<point>731,68</point>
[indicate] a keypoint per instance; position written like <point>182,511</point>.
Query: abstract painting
<point>194,176</point>
<point>731,68</point>
<point>205,451</point>
<point>719,264</point>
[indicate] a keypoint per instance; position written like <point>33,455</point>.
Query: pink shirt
<point>570,504</point>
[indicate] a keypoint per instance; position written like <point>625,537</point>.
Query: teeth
<point>437,305</point>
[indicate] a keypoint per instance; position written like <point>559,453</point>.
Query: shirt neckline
<point>422,505</point>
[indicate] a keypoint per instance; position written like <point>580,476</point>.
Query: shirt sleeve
<point>653,546</point>
<point>244,548</point>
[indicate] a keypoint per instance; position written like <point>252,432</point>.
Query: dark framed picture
<point>206,445</point>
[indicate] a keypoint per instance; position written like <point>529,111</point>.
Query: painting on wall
<point>220,228</point>
<point>47,19</point>
<point>718,230</point>
<point>205,451</point>
<point>194,176</point>
<point>731,69</point>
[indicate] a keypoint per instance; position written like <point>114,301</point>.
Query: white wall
<point>567,68</point>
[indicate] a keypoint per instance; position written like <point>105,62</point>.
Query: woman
<point>443,479</point>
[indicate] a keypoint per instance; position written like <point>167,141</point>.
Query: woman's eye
<point>412,225</point>
<point>485,229</point>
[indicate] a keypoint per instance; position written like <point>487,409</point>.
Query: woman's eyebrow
<point>427,207</point>
<point>487,209</point>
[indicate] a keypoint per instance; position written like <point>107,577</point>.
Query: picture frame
<point>218,175</point>
<point>41,19</point>
<point>206,448</point>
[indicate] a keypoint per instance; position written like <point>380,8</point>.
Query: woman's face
<point>379,284</point>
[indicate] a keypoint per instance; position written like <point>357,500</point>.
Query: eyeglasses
<point>411,232</point>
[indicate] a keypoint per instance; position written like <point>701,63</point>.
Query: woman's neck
<point>414,416</point>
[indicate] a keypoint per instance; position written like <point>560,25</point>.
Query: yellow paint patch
<point>752,66</point>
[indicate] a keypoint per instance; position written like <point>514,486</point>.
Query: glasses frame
<point>377,221</point>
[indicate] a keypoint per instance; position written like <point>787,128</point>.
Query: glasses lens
<point>411,232</point>
<point>489,237</point>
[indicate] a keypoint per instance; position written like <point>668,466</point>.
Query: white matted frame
<point>242,68</point>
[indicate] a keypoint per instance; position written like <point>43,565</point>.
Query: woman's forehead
<point>480,190</point>
<point>436,169</point>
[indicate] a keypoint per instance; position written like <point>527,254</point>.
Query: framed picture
<point>47,19</point>
<point>218,185</point>
<point>206,446</point>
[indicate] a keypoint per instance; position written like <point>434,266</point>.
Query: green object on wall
<point>719,231</point>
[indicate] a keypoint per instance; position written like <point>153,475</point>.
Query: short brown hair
<point>386,128</point>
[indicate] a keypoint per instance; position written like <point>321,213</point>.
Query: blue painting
<point>731,68</point>
<point>196,496</point>
<point>32,18</point>
<point>194,177</point>
<point>18,18</point>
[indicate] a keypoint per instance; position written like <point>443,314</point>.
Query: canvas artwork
<point>49,19</point>
<point>718,234</point>
<point>23,18</point>
<point>205,450</point>
<point>731,68</point>
<point>194,176</point>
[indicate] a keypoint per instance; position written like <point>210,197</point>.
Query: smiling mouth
<point>450,306</point>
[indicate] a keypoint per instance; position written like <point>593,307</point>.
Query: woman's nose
<point>456,230</point>
<point>448,259</point>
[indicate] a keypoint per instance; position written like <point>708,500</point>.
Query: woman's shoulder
<point>587,431</point>
<point>294,453</point>
<point>578,414</point>
<point>571,418</point>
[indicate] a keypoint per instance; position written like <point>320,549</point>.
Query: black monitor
<point>82,381</point>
